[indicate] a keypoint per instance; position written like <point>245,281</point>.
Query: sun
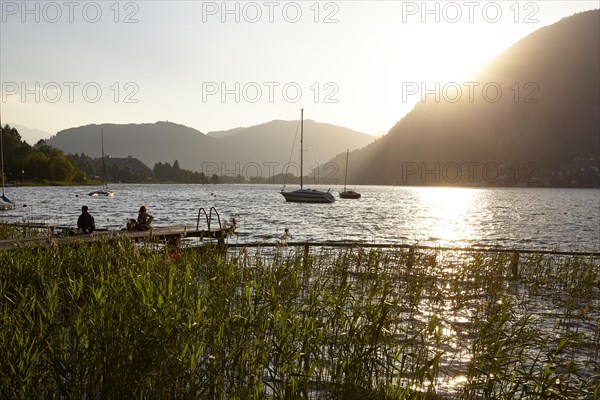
<point>449,54</point>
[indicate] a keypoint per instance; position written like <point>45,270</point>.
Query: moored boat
<point>348,194</point>
<point>5,202</point>
<point>103,192</point>
<point>306,195</point>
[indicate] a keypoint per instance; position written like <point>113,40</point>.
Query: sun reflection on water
<point>563,219</point>
<point>450,210</point>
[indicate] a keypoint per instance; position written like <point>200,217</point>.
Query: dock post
<point>305,260</point>
<point>514,264</point>
<point>411,257</point>
<point>221,245</point>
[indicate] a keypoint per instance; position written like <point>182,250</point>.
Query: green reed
<point>22,231</point>
<point>120,320</point>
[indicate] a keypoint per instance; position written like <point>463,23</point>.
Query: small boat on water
<point>348,194</point>
<point>5,202</point>
<point>103,192</point>
<point>306,195</point>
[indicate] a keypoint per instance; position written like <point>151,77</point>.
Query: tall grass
<point>22,231</point>
<point>116,320</point>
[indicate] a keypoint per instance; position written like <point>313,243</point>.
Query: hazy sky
<point>220,65</point>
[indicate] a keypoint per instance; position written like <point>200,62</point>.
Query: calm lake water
<point>564,219</point>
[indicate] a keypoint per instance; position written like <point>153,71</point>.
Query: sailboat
<point>348,194</point>
<point>104,191</point>
<point>306,195</point>
<point>5,202</point>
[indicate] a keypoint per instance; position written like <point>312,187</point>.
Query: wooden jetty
<point>166,234</point>
<point>172,235</point>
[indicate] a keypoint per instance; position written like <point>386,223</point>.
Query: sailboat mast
<point>2,155</point>
<point>103,165</point>
<point>346,173</point>
<point>301,145</point>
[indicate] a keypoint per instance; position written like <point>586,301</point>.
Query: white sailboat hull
<point>308,196</point>
<point>106,193</point>
<point>6,205</point>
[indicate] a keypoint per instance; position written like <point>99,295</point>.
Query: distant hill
<point>273,141</point>
<point>151,143</point>
<point>241,151</point>
<point>544,128</point>
<point>31,136</point>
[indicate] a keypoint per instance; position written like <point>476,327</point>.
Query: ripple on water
<point>436,216</point>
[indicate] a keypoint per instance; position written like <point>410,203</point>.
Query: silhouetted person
<point>85,222</point>
<point>144,219</point>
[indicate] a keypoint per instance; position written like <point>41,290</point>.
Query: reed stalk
<point>120,320</point>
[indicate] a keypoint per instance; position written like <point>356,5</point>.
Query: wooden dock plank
<point>169,233</point>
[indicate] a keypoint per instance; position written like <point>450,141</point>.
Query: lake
<point>472,302</point>
<point>523,218</point>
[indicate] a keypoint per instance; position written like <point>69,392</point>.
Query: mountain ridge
<point>545,123</point>
<point>283,139</point>
<point>238,151</point>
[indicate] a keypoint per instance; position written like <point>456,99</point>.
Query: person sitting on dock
<point>144,219</point>
<point>85,222</point>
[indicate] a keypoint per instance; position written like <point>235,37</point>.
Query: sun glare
<point>450,209</point>
<point>451,55</point>
<point>435,55</point>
